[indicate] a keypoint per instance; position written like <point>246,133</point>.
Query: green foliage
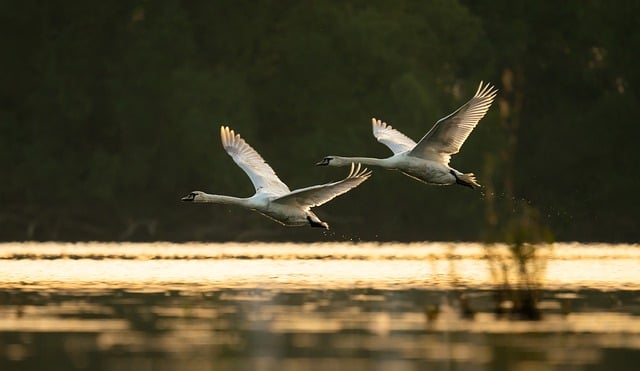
<point>109,113</point>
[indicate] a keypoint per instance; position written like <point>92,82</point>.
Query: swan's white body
<point>428,160</point>
<point>273,198</point>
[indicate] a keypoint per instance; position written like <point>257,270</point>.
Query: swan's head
<point>334,161</point>
<point>195,196</point>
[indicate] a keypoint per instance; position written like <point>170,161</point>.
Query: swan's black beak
<point>324,162</point>
<point>189,197</point>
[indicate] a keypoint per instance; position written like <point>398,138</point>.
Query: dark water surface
<point>314,307</point>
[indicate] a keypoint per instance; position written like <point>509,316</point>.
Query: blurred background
<point>110,112</point>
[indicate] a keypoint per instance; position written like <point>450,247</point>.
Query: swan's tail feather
<point>467,180</point>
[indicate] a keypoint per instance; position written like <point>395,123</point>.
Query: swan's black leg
<point>316,224</point>
<point>459,181</point>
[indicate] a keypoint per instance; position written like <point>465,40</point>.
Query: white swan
<point>428,160</point>
<point>273,198</point>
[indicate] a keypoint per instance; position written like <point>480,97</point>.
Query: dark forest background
<point>110,112</point>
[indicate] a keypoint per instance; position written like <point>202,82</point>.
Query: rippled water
<point>357,306</point>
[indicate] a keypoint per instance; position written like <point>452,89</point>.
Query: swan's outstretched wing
<point>391,137</point>
<point>320,194</point>
<point>262,176</point>
<point>448,134</point>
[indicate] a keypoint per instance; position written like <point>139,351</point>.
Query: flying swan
<point>273,198</point>
<point>428,160</point>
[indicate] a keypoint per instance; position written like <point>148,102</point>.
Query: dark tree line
<point>109,113</point>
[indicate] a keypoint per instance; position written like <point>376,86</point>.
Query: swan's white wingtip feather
<point>380,123</point>
<point>486,90</point>
<point>229,136</point>
<point>223,134</point>
<point>357,171</point>
<point>479,88</point>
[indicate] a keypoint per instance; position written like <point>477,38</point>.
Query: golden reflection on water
<point>334,265</point>
<point>308,306</point>
<point>284,251</point>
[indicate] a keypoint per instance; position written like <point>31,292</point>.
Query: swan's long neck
<point>368,161</point>
<point>220,199</point>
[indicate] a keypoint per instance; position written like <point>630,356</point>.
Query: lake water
<point>355,306</point>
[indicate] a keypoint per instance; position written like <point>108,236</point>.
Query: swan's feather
<point>448,134</point>
<point>262,176</point>
<point>391,137</point>
<point>319,194</point>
